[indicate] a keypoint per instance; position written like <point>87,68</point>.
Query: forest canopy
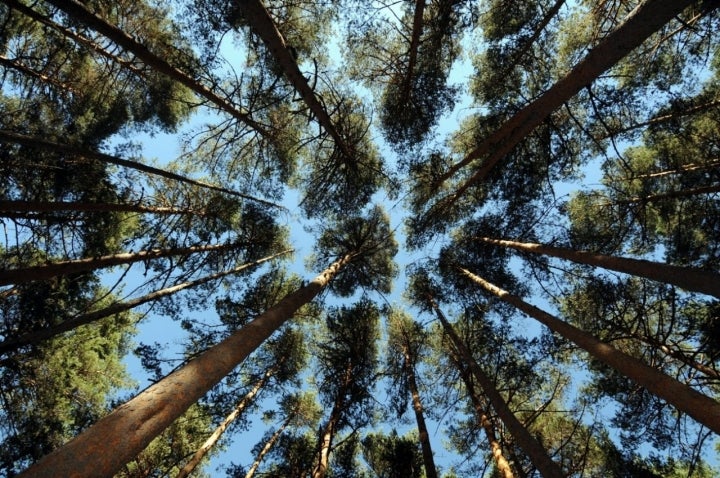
<point>348,238</point>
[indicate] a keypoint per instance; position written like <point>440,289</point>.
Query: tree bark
<point>423,435</point>
<point>328,433</point>
<point>104,448</point>
<point>79,12</point>
<point>645,20</point>
<point>672,194</point>
<point>38,208</point>
<point>688,278</point>
<point>268,446</point>
<point>47,271</point>
<point>218,433</point>
<point>262,24</point>
<point>417,29</point>
<point>702,408</point>
<point>537,454</point>
<point>83,319</point>
<point>37,142</point>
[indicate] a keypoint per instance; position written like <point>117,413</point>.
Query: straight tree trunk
<point>328,433</point>
<point>79,12</point>
<point>423,435</point>
<point>679,170</point>
<point>481,413</point>
<point>41,207</point>
<point>37,142</point>
<point>702,408</point>
<point>688,278</point>
<point>220,430</point>
<point>263,25</point>
<point>16,65</point>
<point>83,319</point>
<point>537,454</point>
<point>417,29</point>
<point>47,271</point>
<point>642,22</point>
<point>103,449</point>
<point>268,446</point>
<point>672,194</point>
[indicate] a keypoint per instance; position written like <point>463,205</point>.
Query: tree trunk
<point>262,24</point>
<point>701,407</point>
<point>37,142</point>
<point>268,446</point>
<point>41,207</point>
<point>679,170</point>
<point>688,278</point>
<point>328,433</point>
<point>47,271</point>
<point>671,195</point>
<point>79,12</point>
<point>423,435</point>
<point>537,454</point>
<point>213,439</point>
<point>16,65</point>
<point>82,319</point>
<point>417,28</point>
<point>642,22</point>
<point>484,420</point>
<point>104,448</point>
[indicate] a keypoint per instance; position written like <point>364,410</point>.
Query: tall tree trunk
<point>689,278</point>
<point>423,435</point>
<point>701,407</point>
<point>672,194</point>
<point>41,207</point>
<point>328,432</point>
<point>417,29</point>
<point>79,12</point>
<point>268,446</point>
<point>82,319</point>
<point>263,25</point>
<point>47,271</point>
<point>679,170</point>
<point>481,413</point>
<point>220,430</point>
<point>37,142</point>
<point>642,22</point>
<point>105,447</point>
<point>537,454</point>
<point>16,65</point>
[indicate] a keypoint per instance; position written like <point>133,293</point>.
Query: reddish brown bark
<point>689,278</point>
<point>700,407</point>
<point>104,448</point>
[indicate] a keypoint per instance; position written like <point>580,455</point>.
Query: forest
<point>360,238</point>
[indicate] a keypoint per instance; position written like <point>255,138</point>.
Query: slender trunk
<point>672,194</point>
<point>688,278</point>
<point>79,12</point>
<point>37,142</point>
<point>104,448</point>
<point>701,407</point>
<point>679,170</point>
<point>423,435</point>
<point>213,439</point>
<point>642,22</point>
<point>417,29</point>
<point>328,433</point>
<point>484,420</point>
<point>16,65</point>
<point>677,354</point>
<point>268,446</point>
<point>537,454</point>
<point>47,271</point>
<point>82,319</point>
<point>262,24</point>
<point>38,208</point>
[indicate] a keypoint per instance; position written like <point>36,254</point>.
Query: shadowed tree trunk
<point>537,454</point>
<point>37,142</point>
<point>79,12</point>
<point>69,324</point>
<point>417,29</point>
<point>671,194</point>
<point>701,407</point>
<point>105,447</point>
<point>37,209</point>
<point>689,278</point>
<point>47,271</point>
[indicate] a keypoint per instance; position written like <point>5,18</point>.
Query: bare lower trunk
<point>423,435</point>
<point>40,207</point>
<point>537,454</point>
<point>701,407</point>
<point>104,448</point>
<point>689,278</point>
<point>268,446</point>
<point>44,334</point>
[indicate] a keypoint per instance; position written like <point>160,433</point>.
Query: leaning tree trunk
<point>700,407</point>
<point>42,143</point>
<point>423,435</point>
<point>220,430</point>
<point>645,20</point>
<point>39,209</point>
<point>268,446</point>
<point>104,448</point>
<point>689,278</point>
<point>328,432</point>
<point>82,319</point>
<point>79,12</point>
<point>671,195</point>
<point>47,271</point>
<point>534,450</point>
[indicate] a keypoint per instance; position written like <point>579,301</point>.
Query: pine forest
<point>360,238</point>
